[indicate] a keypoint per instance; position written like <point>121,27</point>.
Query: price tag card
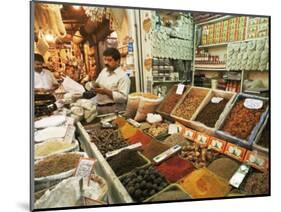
<point>235,152</point>
<point>115,152</point>
<point>85,167</point>
<point>173,129</point>
<point>256,160</point>
<point>253,103</point>
<point>189,134</point>
<point>180,89</point>
<point>69,135</point>
<point>202,139</point>
<point>217,144</point>
<point>216,100</point>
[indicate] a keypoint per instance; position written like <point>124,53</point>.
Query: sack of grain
<point>147,105</point>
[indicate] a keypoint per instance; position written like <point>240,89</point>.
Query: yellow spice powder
<point>203,183</point>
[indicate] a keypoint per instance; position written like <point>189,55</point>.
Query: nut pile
<point>190,104</point>
<point>199,155</point>
<point>144,183</point>
<point>158,129</point>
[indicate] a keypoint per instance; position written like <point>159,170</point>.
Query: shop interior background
<point>211,204</point>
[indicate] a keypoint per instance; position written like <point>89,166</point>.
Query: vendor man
<point>112,85</point>
<point>44,80</point>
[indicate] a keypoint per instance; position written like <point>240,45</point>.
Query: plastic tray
<point>233,139</point>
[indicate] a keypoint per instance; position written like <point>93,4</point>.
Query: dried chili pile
<point>140,137</point>
<point>175,168</point>
<point>241,120</point>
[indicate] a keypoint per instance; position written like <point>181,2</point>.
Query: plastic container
<point>233,139</point>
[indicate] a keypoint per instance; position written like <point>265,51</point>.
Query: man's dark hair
<point>113,52</point>
<point>39,57</point>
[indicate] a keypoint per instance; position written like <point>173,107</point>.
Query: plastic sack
<point>72,86</point>
<point>146,106</point>
<point>132,105</point>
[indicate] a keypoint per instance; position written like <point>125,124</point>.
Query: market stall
<point>183,134</point>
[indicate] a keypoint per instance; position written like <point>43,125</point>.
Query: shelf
<point>230,42</point>
<point>169,81</point>
<point>215,20</point>
<point>210,69</point>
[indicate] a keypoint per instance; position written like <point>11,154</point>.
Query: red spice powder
<point>140,137</point>
<point>175,168</point>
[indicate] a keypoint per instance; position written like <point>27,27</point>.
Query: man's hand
<point>104,91</point>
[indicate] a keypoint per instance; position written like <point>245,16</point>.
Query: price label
<point>216,100</point>
<point>68,138</point>
<point>84,168</point>
<point>189,134</point>
<point>173,129</point>
<point>202,139</point>
<point>180,89</point>
<point>253,103</point>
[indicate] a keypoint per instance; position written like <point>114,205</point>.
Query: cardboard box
<point>202,139</point>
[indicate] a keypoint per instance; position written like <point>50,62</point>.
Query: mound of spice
<point>211,113</point>
<point>140,137</point>
<point>128,131</point>
<point>190,104</point>
<point>175,139</point>
<point>109,143</point>
<point>119,121</point>
<point>171,194</point>
<point>158,129</point>
<point>264,139</point>
<point>50,147</point>
<point>203,183</point>
<point>125,161</point>
<point>153,149</point>
<point>224,167</point>
<point>143,183</point>
<point>170,101</point>
<point>257,183</point>
<point>242,120</point>
<point>175,168</point>
<point>198,154</point>
<point>56,164</point>
<point>96,131</point>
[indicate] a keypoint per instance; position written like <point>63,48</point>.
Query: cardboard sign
<point>84,168</point>
<point>180,89</point>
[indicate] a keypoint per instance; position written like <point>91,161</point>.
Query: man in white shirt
<point>43,79</point>
<point>112,84</point>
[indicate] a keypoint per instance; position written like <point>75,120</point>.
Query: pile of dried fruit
<point>199,155</point>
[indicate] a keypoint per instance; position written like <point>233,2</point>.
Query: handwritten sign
<point>84,168</point>
<point>216,100</point>
<point>180,89</point>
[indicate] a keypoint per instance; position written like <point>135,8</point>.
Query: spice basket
<point>255,145</point>
<point>148,163</point>
<point>198,90</point>
<point>242,142</point>
<point>74,148</point>
<point>161,136</point>
<point>201,127</point>
<point>172,91</point>
<point>48,181</point>
<point>170,187</point>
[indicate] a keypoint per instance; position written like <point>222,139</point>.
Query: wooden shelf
<point>215,20</point>
<point>230,42</point>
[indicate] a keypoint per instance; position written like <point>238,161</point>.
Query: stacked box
<point>231,29</point>
<point>210,37</point>
<point>224,31</point>
<point>217,32</point>
<point>204,35</point>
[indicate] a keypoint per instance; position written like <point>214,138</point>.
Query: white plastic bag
<point>72,86</point>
